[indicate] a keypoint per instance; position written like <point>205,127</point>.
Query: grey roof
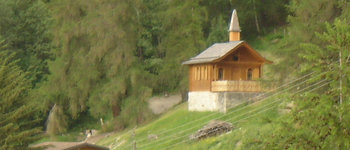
<point>214,52</point>
<point>234,25</point>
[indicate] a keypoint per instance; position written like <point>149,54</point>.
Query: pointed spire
<point>234,25</point>
<point>234,29</point>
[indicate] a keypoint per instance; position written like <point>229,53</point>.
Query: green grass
<point>250,121</point>
<point>175,127</point>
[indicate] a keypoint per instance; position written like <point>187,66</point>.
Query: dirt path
<point>158,105</point>
<point>161,104</point>
<point>96,138</point>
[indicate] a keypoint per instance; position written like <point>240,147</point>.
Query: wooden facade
<point>235,36</point>
<point>236,86</point>
<point>231,66</point>
<point>200,77</point>
<point>241,64</point>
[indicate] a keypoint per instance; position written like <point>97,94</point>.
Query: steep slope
<point>173,129</point>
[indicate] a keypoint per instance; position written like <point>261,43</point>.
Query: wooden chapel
<point>220,74</point>
<point>231,66</point>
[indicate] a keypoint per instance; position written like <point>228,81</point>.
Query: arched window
<point>250,74</point>
<point>221,74</point>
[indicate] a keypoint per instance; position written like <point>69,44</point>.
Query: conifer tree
<point>320,119</point>
<point>218,31</point>
<point>96,69</point>
<point>25,24</point>
<point>18,124</point>
<point>303,21</point>
<point>182,38</point>
<point>111,56</point>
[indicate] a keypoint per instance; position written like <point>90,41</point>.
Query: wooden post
<point>134,136</point>
<point>134,145</point>
<point>225,102</point>
<point>340,78</point>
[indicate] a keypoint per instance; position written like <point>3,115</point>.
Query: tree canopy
<point>18,121</point>
<point>320,118</point>
<point>105,59</point>
<point>317,44</point>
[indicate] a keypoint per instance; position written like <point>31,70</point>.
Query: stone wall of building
<point>203,101</point>
<point>233,99</point>
<point>219,101</point>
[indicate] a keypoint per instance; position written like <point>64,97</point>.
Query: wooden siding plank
<point>236,86</point>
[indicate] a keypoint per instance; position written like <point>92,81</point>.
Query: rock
<point>92,132</point>
<point>275,40</point>
<point>213,128</point>
<point>153,137</point>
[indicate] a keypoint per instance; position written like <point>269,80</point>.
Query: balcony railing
<point>235,86</point>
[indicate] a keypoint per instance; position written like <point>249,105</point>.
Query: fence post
<point>134,136</point>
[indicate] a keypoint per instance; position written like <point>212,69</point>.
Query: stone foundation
<point>203,101</point>
<point>219,101</point>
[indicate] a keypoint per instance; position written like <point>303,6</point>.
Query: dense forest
<point>64,60</point>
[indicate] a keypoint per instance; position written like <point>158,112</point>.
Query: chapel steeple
<point>223,72</point>
<point>234,30</point>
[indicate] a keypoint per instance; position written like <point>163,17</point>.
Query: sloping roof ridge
<point>205,57</point>
<point>205,51</point>
<point>226,46</point>
<point>214,52</point>
<point>229,42</point>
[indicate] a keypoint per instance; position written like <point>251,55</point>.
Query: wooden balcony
<point>235,86</point>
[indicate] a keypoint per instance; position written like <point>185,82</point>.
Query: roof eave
<point>194,63</point>
<point>269,62</point>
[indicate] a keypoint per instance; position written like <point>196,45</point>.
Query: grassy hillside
<point>175,127</point>
<point>250,120</point>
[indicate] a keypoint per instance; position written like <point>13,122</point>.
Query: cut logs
<point>213,128</point>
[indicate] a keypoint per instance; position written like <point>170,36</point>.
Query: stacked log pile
<point>213,128</point>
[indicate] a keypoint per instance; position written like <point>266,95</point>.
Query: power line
<point>232,107</point>
<point>236,121</point>
<point>262,110</point>
<point>235,110</point>
<point>257,108</point>
<point>229,108</point>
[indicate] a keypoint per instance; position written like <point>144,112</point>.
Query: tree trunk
<point>116,109</point>
<point>256,18</point>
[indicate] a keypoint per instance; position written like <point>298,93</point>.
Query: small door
<point>235,74</point>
